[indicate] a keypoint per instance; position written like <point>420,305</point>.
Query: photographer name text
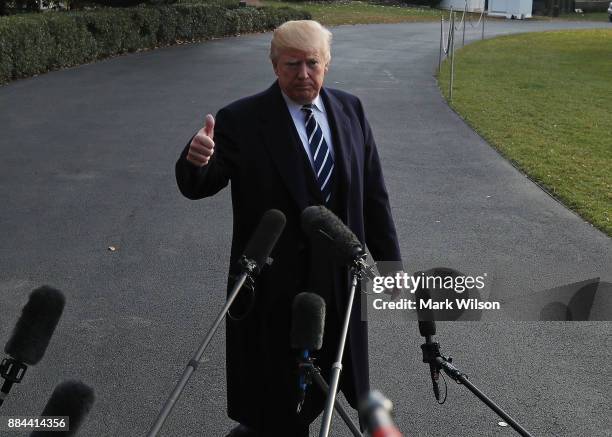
<point>430,304</point>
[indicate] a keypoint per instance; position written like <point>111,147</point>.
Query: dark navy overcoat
<point>257,149</point>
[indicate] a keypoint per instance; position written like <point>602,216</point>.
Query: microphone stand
<point>432,355</point>
<point>313,373</point>
<point>359,269</point>
<point>248,267</point>
<point>12,371</point>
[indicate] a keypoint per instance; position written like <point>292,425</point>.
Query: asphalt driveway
<point>87,163</point>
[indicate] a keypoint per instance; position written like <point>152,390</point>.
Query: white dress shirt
<point>299,118</point>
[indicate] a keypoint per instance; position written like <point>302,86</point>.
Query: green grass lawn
<point>544,100</point>
<point>358,12</point>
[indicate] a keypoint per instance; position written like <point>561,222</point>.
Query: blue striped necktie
<point>323,163</point>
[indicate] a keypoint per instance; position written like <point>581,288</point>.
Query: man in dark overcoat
<point>294,145</point>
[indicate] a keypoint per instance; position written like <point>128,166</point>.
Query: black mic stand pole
<point>12,371</point>
<point>248,267</point>
<point>358,270</point>
<point>431,354</point>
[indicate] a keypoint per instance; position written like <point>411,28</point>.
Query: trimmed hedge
<point>36,43</point>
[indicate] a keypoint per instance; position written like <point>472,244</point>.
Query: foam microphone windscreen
<point>308,322</point>
<point>35,326</point>
<point>375,411</point>
<point>427,324</point>
<point>70,398</point>
<point>265,237</point>
<point>346,246</point>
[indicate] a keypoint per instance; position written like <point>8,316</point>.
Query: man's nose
<point>303,71</point>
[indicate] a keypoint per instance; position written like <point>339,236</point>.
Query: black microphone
<point>72,399</point>
<point>317,220</point>
<point>255,257</point>
<point>307,327</point>
<point>427,328</point>
<point>264,239</point>
<point>376,413</point>
<point>427,322</point>
<point>31,335</point>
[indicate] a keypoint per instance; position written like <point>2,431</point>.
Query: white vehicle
<point>610,12</point>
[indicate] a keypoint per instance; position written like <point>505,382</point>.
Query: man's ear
<point>274,66</point>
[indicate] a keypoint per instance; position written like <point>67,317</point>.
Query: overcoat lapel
<point>288,155</point>
<point>343,146</point>
<point>282,142</point>
<point>341,134</point>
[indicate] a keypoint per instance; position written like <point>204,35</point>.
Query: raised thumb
<point>209,125</point>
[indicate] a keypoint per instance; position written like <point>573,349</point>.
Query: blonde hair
<point>304,35</point>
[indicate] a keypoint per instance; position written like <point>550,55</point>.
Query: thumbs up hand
<point>202,145</point>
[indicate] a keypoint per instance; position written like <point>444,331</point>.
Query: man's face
<point>300,74</point>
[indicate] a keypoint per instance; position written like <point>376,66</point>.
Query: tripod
<point>359,269</point>
<point>432,355</point>
<point>313,374</point>
<point>248,268</point>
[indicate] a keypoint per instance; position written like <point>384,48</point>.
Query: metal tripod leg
<point>318,379</point>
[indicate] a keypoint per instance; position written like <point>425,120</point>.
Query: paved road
<point>87,162</point>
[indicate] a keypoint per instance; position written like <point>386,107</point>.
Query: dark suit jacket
<point>258,149</point>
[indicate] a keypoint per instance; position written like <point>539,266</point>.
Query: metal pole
<point>452,56</point>
<point>484,18</point>
<point>480,395</point>
<point>193,363</point>
<point>441,42</point>
<point>459,377</point>
<point>316,376</point>
<point>337,366</point>
<point>464,14</point>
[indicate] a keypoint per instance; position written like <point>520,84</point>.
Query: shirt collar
<point>296,108</point>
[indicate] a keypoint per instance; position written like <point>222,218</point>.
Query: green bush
<point>6,53</point>
<point>29,44</point>
<point>72,42</point>
<point>129,3</point>
<point>35,43</point>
